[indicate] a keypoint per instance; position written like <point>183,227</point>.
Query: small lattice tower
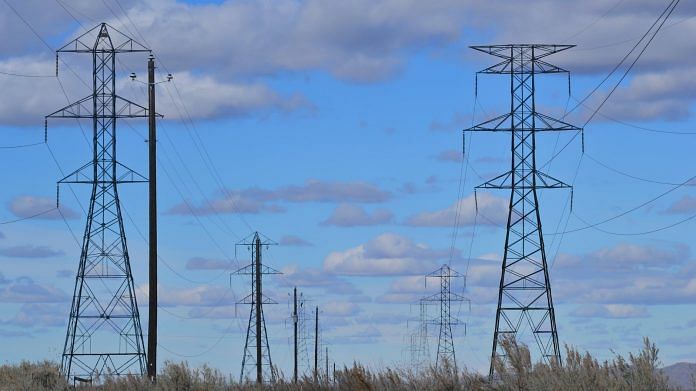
<point>256,358</point>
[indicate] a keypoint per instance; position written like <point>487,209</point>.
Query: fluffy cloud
<point>626,274</point>
<point>199,296</point>
<point>316,278</point>
<point>387,254</point>
<point>199,263</point>
<point>340,309</point>
<point>450,156</point>
<point>686,204</point>
<point>610,311</point>
<point>38,314</point>
<point>358,40</point>
<point>231,46</point>
<point>492,211</point>
<point>30,251</point>
<point>210,98</point>
<point>25,290</point>
<point>256,200</point>
<point>347,215</point>
<point>28,206</point>
<point>292,240</point>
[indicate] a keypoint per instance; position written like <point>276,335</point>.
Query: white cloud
<point>450,155</point>
<point>199,296</point>
<point>257,200</point>
<point>199,263</point>
<point>340,309</point>
<point>209,98</point>
<point>387,254</point>
<point>316,278</point>
<point>25,290</point>
<point>686,204</point>
<point>292,240</point>
<point>347,215</point>
<point>492,210</point>
<point>42,207</point>
<point>30,251</point>
<point>31,315</point>
<point>610,311</point>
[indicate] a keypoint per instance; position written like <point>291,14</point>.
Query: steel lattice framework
<point>445,320</point>
<point>257,351</point>
<point>419,351</point>
<point>524,297</point>
<point>104,335</point>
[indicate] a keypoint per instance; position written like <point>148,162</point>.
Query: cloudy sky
<point>334,128</point>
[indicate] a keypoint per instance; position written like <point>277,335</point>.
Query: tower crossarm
<point>84,108</point>
<point>542,123</point>
<point>85,175</point>
<point>541,181</point>
<point>107,37</point>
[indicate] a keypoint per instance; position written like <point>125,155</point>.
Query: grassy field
<point>580,371</point>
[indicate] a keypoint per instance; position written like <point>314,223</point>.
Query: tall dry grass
<point>580,372</point>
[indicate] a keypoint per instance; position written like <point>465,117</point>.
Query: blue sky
<point>334,129</point>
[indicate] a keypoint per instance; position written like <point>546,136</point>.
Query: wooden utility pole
<point>257,302</point>
<point>316,344</point>
<point>152,146</point>
<point>294,321</point>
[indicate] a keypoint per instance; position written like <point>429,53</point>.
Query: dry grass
<point>580,372</point>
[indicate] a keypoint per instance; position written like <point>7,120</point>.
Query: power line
<point>642,179</point>
<point>624,213</point>
<point>668,11</point>
<point>47,211</point>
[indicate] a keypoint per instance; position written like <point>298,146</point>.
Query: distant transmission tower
<point>445,320</point>
<point>303,326</point>
<point>420,353</point>
<point>525,291</point>
<point>104,333</point>
<point>256,348</point>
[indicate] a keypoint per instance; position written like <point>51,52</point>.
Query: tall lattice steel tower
<point>524,298</point>
<point>104,333</point>
<point>445,320</point>
<point>257,352</point>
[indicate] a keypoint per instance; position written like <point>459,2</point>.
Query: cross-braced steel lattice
<point>256,347</point>
<point>104,334</point>
<point>444,298</point>
<point>419,350</point>
<point>524,297</point>
<point>304,334</point>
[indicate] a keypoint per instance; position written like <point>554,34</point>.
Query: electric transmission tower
<point>304,334</point>
<point>445,320</point>
<point>256,348</point>
<point>420,353</point>
<point>104,333</point>
<point>524,297</point>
